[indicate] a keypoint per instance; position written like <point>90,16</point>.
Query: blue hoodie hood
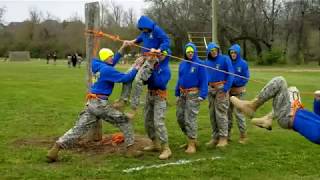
<point>211,46</point>
<point>237,48</point>
<point>146,22</point>
<point>191,75</point>
<point>220,62</point>
<point>240,67</point>
<point>195,54</point>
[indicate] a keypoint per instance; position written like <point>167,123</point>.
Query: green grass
<point>40,101</point>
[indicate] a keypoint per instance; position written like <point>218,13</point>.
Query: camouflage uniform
<point>187,110</point>
<point>126,90</point>
<point>277,89</point>
<point>143,75</point>
<point>218,112</point>
<point>94,110</point>
<point>238,114</point>
<point>154,116</point>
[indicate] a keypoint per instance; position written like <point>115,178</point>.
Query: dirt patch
<point>105,146</point>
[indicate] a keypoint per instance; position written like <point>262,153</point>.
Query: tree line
<point>269,31</point>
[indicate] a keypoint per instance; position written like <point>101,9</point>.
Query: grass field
<point>40,101</point>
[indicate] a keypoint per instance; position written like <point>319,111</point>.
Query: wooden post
<point>215,21</point>
<point>92,21</point>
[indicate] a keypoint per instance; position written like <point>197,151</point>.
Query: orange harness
<point>163,94</point>
<point>217,84</point>
<point>189,90</point>
<point>96,96</point>
<point>295,105</point>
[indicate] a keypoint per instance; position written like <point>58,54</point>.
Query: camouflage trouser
<point>277,89</point>
<point>187,111</point>
<point>97,109</point>
<point>218,107</point>
<point>154,116</point>
<point>239,117</point>
<point>143,75</point>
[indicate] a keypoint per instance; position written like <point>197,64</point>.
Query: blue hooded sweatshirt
<point>156,39</point>
<point>192,75</point>
<point>240,67</point>
<point>220,62</point>
<point>106,75</point>
<point>160,76</point>
<point>308,125</point>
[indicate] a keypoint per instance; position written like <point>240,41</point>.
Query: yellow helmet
<point>105,53</point>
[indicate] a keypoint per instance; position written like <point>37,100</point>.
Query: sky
<point>18,11</point>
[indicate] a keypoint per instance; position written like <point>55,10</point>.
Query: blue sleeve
<point>203,82</point>
<point>112,75</point>
<point>165,41</point>
<point>230,77</point>
<point>316,106</point>
<point>139,39</point>
<point>177,90</point>
<point>116,58</point>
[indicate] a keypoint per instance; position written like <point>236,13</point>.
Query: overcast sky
<point>17,11</point>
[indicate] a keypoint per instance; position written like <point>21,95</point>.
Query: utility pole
<point>215,21</point>
<point>92,21</point>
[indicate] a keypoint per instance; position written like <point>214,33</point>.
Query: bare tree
<point>117,12</point>
<point>35,15</point>
<point>129,17</point>
<point>2,12</point>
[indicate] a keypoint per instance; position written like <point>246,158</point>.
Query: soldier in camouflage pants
<point>218,107</point>
<point>143,75</point>
<point>188,106</point>
<point>154,116</point>
<point>97,109</point>
<point>276,89</point>
<point>287,108</point>
<point>239,117</point>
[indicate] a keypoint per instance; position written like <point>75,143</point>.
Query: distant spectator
<point>54,55</point>
<point>69,60</point>
<point>79,60</point>
<point>48,58</point>
<point>74,60</point>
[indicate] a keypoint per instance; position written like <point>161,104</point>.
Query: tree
<point>2,12</point>
<point>35,15</point>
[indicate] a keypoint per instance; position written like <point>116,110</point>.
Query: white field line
<point>177,163</point>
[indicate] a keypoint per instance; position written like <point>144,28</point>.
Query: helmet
<point>105,53</point>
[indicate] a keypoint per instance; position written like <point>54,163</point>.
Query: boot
<point>247,107</point>
<point>263,122</point>
<point>131,114</point>
<point>155,146</point>
<point>131,152</point>
<point>118,104</point>
<point>52,155</point>
<point>191,146</point>
<point>243,138</point>
<point>166,152</point>
<point>223,141</point>
<point>212,143</point>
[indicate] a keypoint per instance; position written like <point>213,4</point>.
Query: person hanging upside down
<point>287,108</point>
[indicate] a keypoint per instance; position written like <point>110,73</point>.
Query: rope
<point>101,34</point>
<point>117,38</point>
